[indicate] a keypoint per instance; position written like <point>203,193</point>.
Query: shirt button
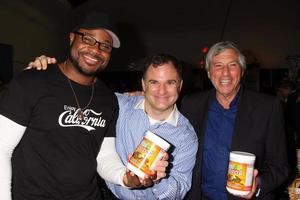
<point>154,190</point>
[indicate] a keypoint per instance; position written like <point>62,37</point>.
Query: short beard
<point>80,69</point>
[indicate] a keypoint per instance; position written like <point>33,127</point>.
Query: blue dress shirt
<point>132,124</point>
<point>217,145</point>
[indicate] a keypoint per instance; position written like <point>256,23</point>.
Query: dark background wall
<point>267,31</point>
<point>6,59</point>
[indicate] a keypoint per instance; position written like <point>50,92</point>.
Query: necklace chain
<point>80,110</point>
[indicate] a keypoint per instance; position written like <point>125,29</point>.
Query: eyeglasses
<point>92,41</point>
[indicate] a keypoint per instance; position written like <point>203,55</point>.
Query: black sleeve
<point>111,130</point>
<point>15,103</point>
<point>275,168</point>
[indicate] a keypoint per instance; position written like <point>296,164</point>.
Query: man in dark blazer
<point>232,118</point>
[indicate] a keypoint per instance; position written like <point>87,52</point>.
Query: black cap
<point>95,20</point>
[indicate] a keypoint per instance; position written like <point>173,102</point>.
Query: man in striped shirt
<point>156,111</point>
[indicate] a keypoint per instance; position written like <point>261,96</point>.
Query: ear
<point>208,74</point>
<point>71,37</point>
<point>181,82</point>
<point>143,85</point>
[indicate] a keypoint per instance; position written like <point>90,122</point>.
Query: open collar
<point>171,119</point>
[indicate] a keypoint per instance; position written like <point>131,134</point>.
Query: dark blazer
<point>258,129</point>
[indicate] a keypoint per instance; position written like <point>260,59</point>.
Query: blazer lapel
<point>243,118</point>
<point>202,109</point>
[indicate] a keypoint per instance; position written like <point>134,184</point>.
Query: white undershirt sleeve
<point>110,166</point>
<point>10,135</point>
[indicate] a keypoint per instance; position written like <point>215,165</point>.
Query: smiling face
<point>161,85</point>
<point>225,74</point>
<point>89,59</point>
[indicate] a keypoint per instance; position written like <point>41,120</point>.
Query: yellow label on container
<point>237,176</point>
<point>144,155</point>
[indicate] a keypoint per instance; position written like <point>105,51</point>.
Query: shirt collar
<point>233,103</point>
<point>172,119</point>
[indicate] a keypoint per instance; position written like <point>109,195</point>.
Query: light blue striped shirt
<point>132,124</point>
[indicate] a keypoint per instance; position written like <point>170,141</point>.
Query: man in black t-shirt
<point>59,126</point>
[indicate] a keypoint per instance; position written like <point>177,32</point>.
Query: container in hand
<point>240,173</point>
<point>147,153</point>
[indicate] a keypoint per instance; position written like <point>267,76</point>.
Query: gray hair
<point>220,47</point>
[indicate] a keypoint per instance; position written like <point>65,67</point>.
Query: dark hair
<point>160,59</point>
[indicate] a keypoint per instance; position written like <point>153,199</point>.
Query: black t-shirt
<point>56,157</point>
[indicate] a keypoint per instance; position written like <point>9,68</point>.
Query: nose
<point>94,49</point>
<point>162,89</point>
<point>225,70</point>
